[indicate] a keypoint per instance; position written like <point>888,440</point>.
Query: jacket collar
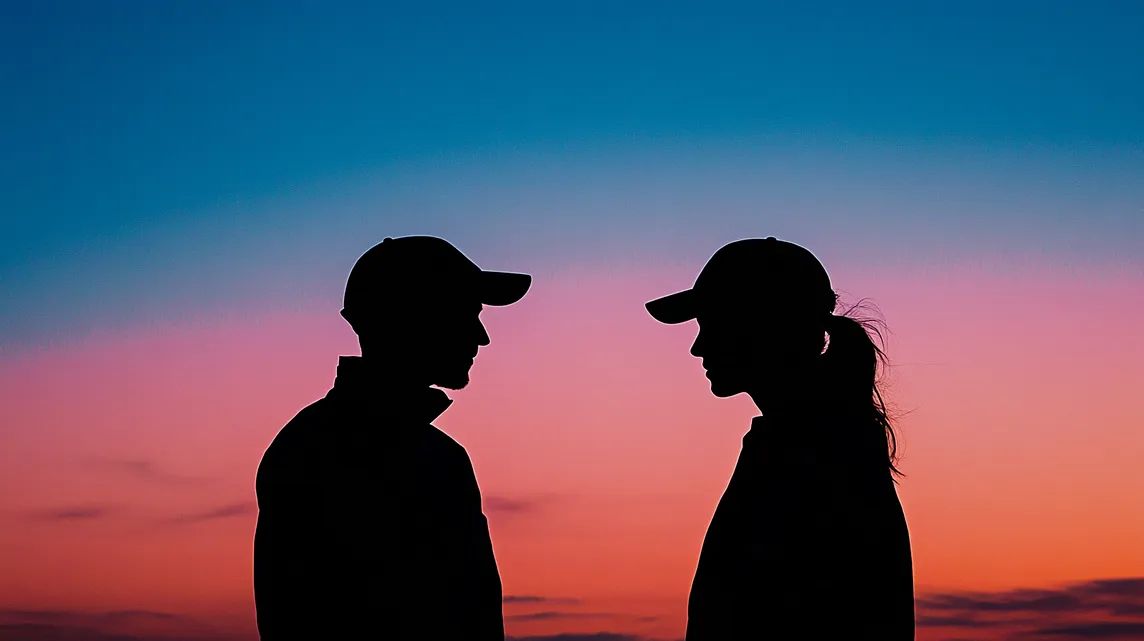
<point>360,383</point>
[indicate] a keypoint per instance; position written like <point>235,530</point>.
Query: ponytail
<point>851,363</point>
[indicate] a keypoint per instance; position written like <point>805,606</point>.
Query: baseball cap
<point>415,269</point>
<point>754,272</point>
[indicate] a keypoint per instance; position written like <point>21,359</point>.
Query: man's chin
<point>457,381</point>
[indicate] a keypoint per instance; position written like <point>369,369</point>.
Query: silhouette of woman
<point>809,540</point>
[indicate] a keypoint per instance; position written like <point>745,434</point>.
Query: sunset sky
<point>184,187</point>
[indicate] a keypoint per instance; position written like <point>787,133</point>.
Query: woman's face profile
<point>731,350</point>
<point>747,351</point>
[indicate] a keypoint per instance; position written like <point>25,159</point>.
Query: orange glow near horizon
<point>128,461</point>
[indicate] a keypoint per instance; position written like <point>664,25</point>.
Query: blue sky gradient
<point>162,159</point>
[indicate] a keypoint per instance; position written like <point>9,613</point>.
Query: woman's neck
<point>794,390</point>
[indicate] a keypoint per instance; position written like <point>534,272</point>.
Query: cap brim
<point>503,288</point>
<point>676,308</point>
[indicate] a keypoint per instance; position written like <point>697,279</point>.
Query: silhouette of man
<point>370,522</point>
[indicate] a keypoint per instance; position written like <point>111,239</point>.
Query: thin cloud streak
<point>1084,631</point>
<point>71,514</point>
<point>513,599</point>
<point>142,470</point>
<point>552,615</point>
<point>1099,609</point>
<point>505,505</point>
<point>598,636</point>
<point>233,510</point>
<point>116,625</point>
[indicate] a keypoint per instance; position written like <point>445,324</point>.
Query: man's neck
<point>360,382</point>
<point>385,371</point>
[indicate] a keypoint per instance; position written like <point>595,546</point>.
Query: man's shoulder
<point>446,445</point>
<point>296,440</point>
<point>305,424</point>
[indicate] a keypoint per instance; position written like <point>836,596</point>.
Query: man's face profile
<point>430,342</point>
<point>449,338</point>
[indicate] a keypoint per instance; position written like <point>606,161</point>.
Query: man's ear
<point>371,322</point>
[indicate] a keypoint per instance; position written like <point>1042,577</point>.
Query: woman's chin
<point>721,389</point>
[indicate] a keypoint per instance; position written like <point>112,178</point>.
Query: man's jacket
<point>370,523</point>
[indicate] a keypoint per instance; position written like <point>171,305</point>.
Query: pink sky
<point>128,460</point>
